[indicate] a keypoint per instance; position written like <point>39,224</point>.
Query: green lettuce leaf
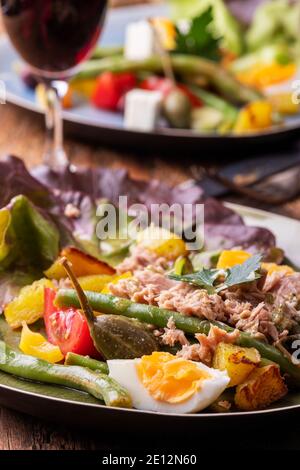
<point>185,9</point>
<point>274,21</point>
<point>34,226</point>
<point>27,238</point>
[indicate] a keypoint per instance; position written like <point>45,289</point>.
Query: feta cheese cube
<point>139,41</point>
<point>142,109</point>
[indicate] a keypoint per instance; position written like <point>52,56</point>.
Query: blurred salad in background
<point>212,66</point>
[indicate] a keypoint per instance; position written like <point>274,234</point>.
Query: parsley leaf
<point>205,278</point>
<point>241,273</point>
<point>216,280</point>
<point>199,39</point>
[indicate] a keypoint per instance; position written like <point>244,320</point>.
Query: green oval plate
<point>78,409</point>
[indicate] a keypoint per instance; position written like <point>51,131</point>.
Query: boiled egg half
<point>167,383</point>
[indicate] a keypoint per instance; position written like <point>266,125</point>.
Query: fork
<point>280,188</point>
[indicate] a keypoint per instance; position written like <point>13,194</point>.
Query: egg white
<point>125,373</point>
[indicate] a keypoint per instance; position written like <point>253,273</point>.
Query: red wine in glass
<point>54,37</point>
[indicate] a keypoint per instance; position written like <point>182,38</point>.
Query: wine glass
<point>54,37</point>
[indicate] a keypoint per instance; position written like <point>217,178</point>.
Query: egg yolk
<point>169,378</point>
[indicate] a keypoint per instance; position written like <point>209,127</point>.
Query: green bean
<point>108,51</point>
<point>96,384</point>
<point>215,102</point>
<point>224,82</point>
<point>109,304</point>
<point>73,359</point>
<point>265,362</point>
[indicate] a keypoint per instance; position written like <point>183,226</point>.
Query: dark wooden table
<point>22,134</point>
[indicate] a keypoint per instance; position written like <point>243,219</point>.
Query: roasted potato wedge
<point>82,263</point>
<point>237,361</point>
<point>264,386</point>
<point>162,242</point>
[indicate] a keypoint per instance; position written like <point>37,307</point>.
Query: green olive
<point>118,337</point>
<point>177,109</point>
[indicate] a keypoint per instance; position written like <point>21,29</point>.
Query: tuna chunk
<point>267,309</point>
<point>288,288</point>
<point>141,259</point>
<point>144,287</point>
<point>257,321</point>
<point>204,351</point>
<point>172,335</point>
<point>156,289</point>
<point>190,300</point>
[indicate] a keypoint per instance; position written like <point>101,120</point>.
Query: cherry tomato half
<point>67,328</point>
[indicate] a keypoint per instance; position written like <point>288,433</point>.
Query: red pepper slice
<point>110,89</point>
